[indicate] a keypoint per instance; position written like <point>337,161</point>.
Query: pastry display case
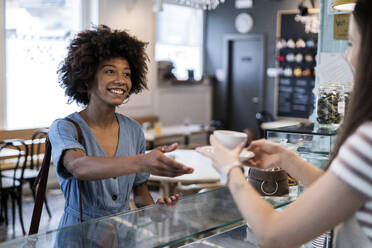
<point>311,142</point>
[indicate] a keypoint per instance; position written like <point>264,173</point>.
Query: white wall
<point>137,17</point>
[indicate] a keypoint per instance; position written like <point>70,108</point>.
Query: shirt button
<point>114,197</point>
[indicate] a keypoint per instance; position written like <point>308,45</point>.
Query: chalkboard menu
<point>295,97</point>
<point>296,60</point>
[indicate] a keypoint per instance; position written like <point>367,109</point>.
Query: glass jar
<point>330,105</point>
<point>348,88</point>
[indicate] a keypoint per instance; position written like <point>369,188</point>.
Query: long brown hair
<point>360,109</point>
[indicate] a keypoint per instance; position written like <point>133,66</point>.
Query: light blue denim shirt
<point>100,197</point>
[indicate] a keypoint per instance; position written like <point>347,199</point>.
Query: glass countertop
<point>152,226</point>
<point>305,129</point>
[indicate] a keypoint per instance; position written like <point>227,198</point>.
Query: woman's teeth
<point>116,91</point>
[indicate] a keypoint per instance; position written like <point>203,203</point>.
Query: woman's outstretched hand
<point>172,200</point>
<point>267,154</point>
<point>156,163</point>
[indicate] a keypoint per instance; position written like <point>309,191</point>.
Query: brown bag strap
<point>42,179</point>
<point>40,195</point>
<point>80,139</point>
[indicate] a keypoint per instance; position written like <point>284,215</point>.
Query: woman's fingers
<point>174,165</point>
<point>238,149</point>
<point>215,143</point>
<point>170,148</point>
<point>170,169</point>
<point>166,172</point>
<point>256,144</point>
<point>165,149</point>
<point>168,200</point>
<point>205,152</point>
<point>162,165</point>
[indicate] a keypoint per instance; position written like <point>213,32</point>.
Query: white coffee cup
<point>230,139</point>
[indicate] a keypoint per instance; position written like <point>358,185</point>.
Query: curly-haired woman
<point>102,69</point>
<point>340,196</point>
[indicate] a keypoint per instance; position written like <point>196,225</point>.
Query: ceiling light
<point>198,4</point>
<point>344,5</point>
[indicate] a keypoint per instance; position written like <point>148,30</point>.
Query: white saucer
<point>244,155</point>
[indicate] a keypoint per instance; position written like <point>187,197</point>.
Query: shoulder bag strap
<point>80,140</point>
<point>42,179</point>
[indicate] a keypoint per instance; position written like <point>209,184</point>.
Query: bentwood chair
<point>31,172</point>
<point>12,186</point>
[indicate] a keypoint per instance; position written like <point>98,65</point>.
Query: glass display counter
<point>312,143</point>
<point>153,226</point>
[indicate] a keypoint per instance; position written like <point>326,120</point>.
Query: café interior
<point>264,68</point>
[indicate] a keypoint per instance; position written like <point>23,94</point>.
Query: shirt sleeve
<point>63,136</point>
<point>141,149</point>
<point>353,164</point>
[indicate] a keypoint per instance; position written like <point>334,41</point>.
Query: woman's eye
<point>350,44</point>
<point>109,71</point>
<point>127,74</point>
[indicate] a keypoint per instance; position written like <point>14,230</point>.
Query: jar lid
<point>331,86</point>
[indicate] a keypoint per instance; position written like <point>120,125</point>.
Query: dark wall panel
<point>220,22</point>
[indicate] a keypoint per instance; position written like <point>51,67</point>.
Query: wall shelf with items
<point>296,52</point>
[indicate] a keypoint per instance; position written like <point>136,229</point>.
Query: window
<point>179,38</point>
<point>37,33</point>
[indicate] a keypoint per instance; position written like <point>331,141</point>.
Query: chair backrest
<point>37,147</point>
<point>17,157</point>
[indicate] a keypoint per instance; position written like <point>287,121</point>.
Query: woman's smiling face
<point>112,82</point>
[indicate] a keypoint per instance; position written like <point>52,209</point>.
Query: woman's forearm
<point>301,170</point>
<point>96,168</point>
<point>248,202</point>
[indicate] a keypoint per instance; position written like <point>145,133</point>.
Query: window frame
<point>88,14</point>
<point>203,37</point>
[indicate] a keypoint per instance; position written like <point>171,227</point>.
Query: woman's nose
<point>120,78</point>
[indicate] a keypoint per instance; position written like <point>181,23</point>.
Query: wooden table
<point>173,131</point>
<point>7,154</point>
<point>204,173</point>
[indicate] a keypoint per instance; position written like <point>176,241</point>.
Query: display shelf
<point>312,143</point>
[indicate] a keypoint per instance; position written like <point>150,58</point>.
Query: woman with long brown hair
<point>341,197</point>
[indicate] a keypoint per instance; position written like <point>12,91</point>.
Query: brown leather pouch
<point>269,183</point>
